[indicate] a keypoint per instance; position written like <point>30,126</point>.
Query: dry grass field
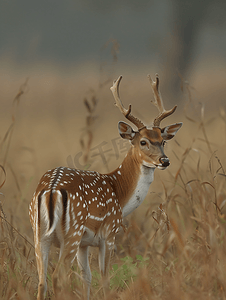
<point>174,244</point>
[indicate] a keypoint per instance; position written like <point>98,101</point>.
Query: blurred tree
<point>177,55</point>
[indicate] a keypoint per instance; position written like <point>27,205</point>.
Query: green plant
<point>127,272</point>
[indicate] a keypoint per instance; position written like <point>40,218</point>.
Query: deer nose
<point>164,161</point>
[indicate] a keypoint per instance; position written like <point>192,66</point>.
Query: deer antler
<point>126,112</point>
<point>158,102</point>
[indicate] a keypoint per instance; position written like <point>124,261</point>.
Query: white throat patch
<point>141,190</point>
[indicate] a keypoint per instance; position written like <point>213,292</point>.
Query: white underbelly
<point>89,238</point>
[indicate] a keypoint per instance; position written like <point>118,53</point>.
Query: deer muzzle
<point>164,161</point>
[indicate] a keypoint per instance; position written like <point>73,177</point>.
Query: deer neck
<point>131,182</point>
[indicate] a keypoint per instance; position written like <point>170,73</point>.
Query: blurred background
<point>174,38</point>
<point>62,56</point>
<point>58,60</point>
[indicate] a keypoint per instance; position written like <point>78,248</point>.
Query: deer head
<point>147,143</point>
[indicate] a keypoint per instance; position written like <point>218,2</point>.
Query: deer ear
<point>170,131</point>
<point>126,131</point>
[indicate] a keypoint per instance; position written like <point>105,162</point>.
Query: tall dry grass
<point>180,227</point>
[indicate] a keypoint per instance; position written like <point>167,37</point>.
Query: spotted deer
<point>76,209</point>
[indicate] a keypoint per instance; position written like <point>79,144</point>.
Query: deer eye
<point>143,143</point>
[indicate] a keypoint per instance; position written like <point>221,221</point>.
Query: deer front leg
<point>105,249</point>
<point>83,263</point>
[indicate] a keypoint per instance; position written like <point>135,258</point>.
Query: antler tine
<point>158,102</point>
<point>126,112</point>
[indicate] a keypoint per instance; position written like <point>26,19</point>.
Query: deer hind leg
<point>55,275</point>
<point>105,249</point>
<point>83,263</point>
<point>42,253</point>
<point>68,251</point>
